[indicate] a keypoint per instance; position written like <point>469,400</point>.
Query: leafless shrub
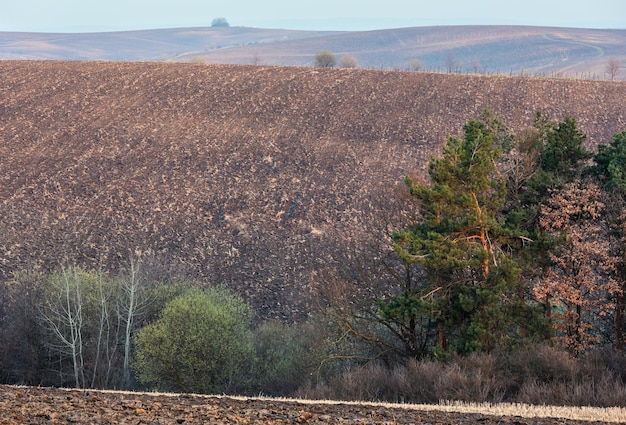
<point>348,61</point>
<point>539,362</point>
<point>485,381</point>
<point>534,392</point>
<point>607,359</point>
<point>613,68</point>
<point>548,376</point>
<point>415,65</point>
<point>451,383</point>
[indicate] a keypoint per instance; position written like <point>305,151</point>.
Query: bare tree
<point>613,68</point>
<point>91,322</point>
<point>450,65</point>
<point>476,65</point>
<point>348,61</point>
<point>106,335</point>
<point>132,304</point>
<point>415,65</point>
<point>63,315</point>
<point>256,60</point>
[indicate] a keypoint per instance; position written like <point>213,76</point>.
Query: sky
<point>348,15</point>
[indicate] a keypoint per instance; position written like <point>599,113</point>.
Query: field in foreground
<point>35,405</point>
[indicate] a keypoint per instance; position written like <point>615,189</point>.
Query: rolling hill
<point>262,178</point>
<point>570,52</point>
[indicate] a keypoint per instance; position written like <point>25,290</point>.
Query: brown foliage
<point>536,374</point>
<point>581,283</point>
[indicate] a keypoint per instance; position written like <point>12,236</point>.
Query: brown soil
<point>34,405</point>
<point>254,177</point>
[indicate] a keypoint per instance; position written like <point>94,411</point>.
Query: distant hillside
<point>257,177</point>
<point>151,45</point>
<point>507,50</point>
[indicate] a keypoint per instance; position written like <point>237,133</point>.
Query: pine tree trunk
<point>442,337</point>
<point>522,301</point>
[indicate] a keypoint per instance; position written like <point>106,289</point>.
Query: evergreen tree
<point>548,156</point>
<point>610,168</point>
<point>564,152</point>
<point>461,244</point>
<point>553,154</point>
<point>611,163</point>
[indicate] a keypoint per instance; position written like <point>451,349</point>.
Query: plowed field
<point>29,405</point>
<point>260,178</point>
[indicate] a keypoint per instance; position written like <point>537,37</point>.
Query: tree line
<point>517,240</point>
<point>84,329</point>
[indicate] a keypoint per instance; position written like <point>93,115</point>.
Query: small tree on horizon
<point>415,65</point>
<point>325,59</point>
<point>348,61</point>
<point>220,22</point>
<point>613,68</point>
<point>450,63</point>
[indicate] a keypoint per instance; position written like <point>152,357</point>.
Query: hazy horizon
<point>339,15</point>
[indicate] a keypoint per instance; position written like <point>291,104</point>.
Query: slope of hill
<point>257,177</point>
<point>152,45</point>
<point>462,49</point>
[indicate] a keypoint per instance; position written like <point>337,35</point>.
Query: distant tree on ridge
<point>325,59</point>
<point>220,22</point>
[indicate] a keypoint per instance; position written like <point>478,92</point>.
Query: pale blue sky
<point>108,15</point>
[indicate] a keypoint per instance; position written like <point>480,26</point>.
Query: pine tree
<point>461,244</point>
<point>564,152</point>
<point>610,168</point>
<point>549,156</point>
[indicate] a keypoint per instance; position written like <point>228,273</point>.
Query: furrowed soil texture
<point>31,405</point>
<point>259,178</point>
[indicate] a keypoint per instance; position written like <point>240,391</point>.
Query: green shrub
<point>201,343</point>
<point>287,355</point>
<point>280,358</point>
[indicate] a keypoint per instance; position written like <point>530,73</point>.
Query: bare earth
<point>34,405</point>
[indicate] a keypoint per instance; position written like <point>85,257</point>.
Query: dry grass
<point>537,375</point>
<point>582,413</point>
